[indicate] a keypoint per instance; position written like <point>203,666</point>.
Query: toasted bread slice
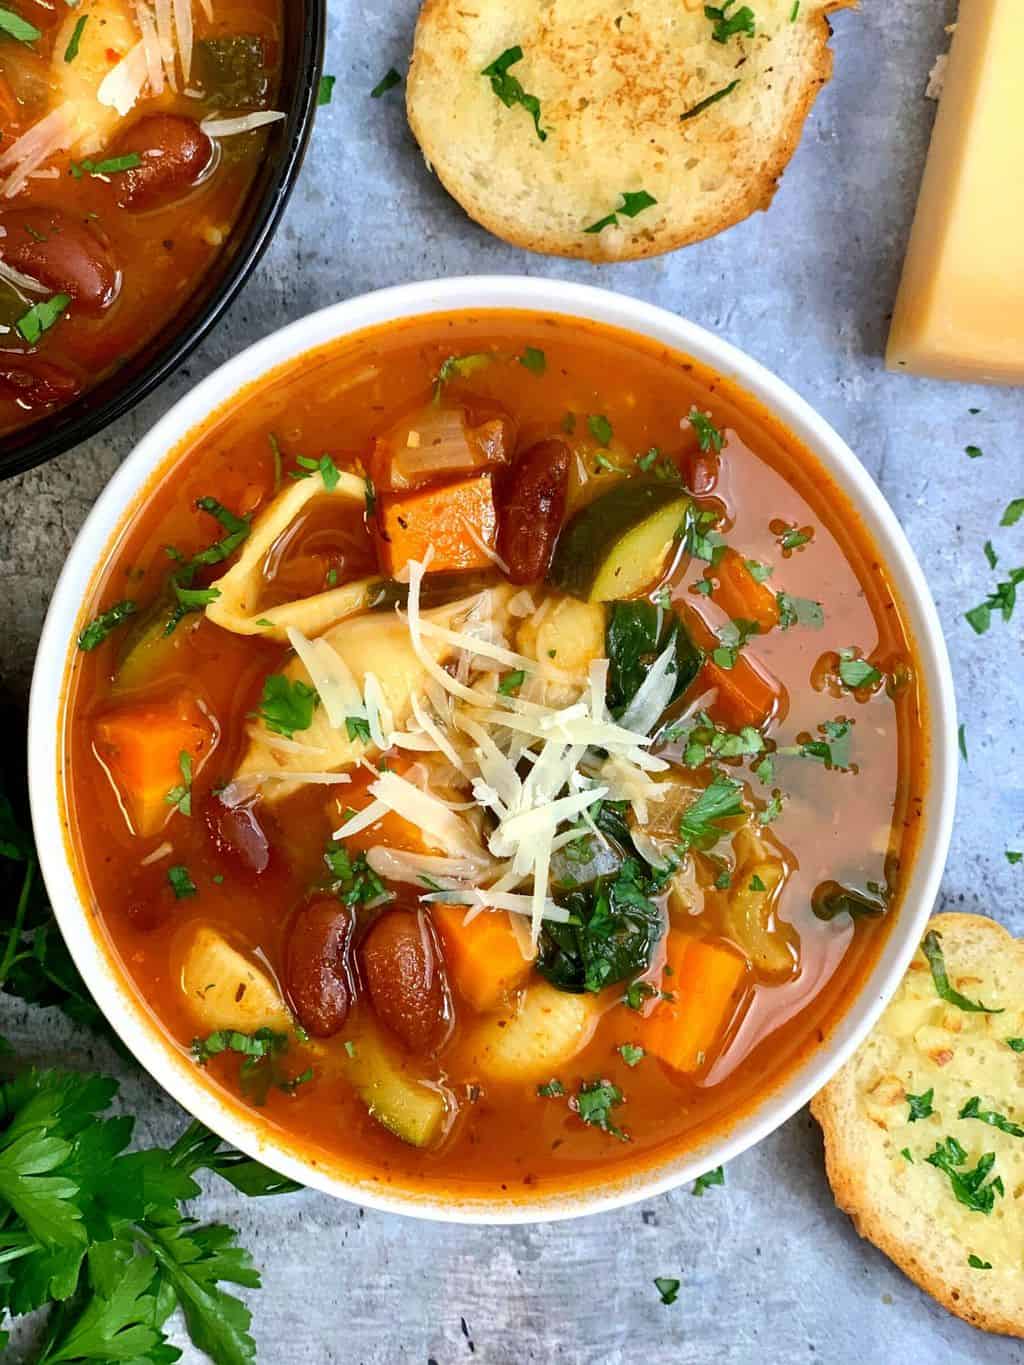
<point>619,89</point>
<point>923,1043</point>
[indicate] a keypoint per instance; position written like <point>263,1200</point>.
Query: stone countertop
<point>806,288</point>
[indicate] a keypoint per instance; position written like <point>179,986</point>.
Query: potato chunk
<point>224,989</point>
<point>548,1028</point>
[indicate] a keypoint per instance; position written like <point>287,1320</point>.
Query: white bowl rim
<point>174,1072</point>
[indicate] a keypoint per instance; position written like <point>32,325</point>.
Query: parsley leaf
<point>667,1288</point>
<point>707,1180</point>
<point>41,317</point>
<point>594,1103</point>
<point>508,89</point>
<point>1014,512</point>
<point>732,637</point>
<point>799,611</point>
<point>181,796</point>
<point>71,51</point>
<point>631,1053</point>
<point>600,428</point>
<point>287,706</point>
<point>460,367</point>
<point>356,883</point>
<point>792,537</point>
<point>18,27</point>
<point>976,1263</point>
<point>633,202</point>
<point>855,673</point>
<point>968,1185</point>
<point>358,728</point>
<point>189,598</point>
<point>533,360</point>
<point>706,103</point>
<point>920,1105</point>
<point>961,739</point>
<point>387,82</point>
<point>833,749</point>
<point>708,435</point>
<point>1014,856</point>
<point>973,452</point>
<point>552,1090</point>
<point>1002,599</point>
<point>721,799</point>
<point>973,1110</point>
<point>726,25</point>
<point>326,467</point>
<point>1016,1043</point>
<point>931,946</point>
<point>181,882</point>
<point>511,682</point>
<point>98,629</point>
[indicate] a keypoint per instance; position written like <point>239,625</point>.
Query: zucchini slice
<point>617,545</point>
<point>407,1107</point>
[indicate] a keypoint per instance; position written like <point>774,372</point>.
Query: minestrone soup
<point>494,752</point>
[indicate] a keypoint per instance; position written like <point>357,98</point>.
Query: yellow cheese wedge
<point>960,310</point>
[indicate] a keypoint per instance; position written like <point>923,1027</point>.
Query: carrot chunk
<point>745,695</point>
<point>456,520</point>
<point>482,957</point>
<point>703,983</point>
<point>141,748</point>
<point>741,596</point>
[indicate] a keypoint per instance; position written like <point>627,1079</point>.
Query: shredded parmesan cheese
<point>244,123</point>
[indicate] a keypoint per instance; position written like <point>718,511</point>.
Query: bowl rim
<point>128,1014</point>
<point>30,451</point>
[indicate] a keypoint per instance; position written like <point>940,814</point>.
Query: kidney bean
<point>317,967</point>
<point>699,469</point>
<point>63,254</point>
<point>36,383</point>
<point>238,834</point>
<point>532,504</point>
<point>404,973</point>
<point>173,150</point>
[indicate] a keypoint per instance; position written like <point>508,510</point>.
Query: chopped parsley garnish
<point>708,435</point>
<point>704,740</point>
<point>1013,856</point>
<point>636,993</point>
<point>325,90</point>
<point>600,428</point>
<point>732,637</point>
<point>833,749</point>
<point>932,949</point>
<point>594,1103</point>
<point>371,495</point>
<point>113,165</point>
<point>460,367</point>
<point>287,706</point>
<point>512,682</point>
<point>855,672</point>
<point>976,1263</point>
<point>181,796</point>
<point>1016,1043</point>
<point>973,452</point>
<point>905,1154</point>
<point>706,103</point>
<point>98,629</point>
<point>973,1110</point>
<point>765,770</point>
<point>357,728</point>
<point>534,360</point>
<point>667,1288</point>
<point>726,25</point>
<point>707,1180</point>
<point>260,1053</point>
<point>721,799</point>
<point>18,27</point>
<point>756,884</point>
<point>633,202</point>
<point>792,537</point>
<point>920,1105</point>
<point>189,598</point>
<point>794,12</point>
<point>759,572</point>
<point>552,1090</point>
<point>508,89</point>
<point>355,882</point>
<point>961,739</point>
<point>1003,599</point>
<point>1014,512</point>
<point>181,883</point>
<point>772,810</point>
<point>990,554</point>
<point>71,51</point>
<point>387,82</point>
<point>326,467</point>
<point>799,611</point>
<point>41,317</point>
<point>700,538</point>
<point>631,1053</point>
<point>968,1185</point>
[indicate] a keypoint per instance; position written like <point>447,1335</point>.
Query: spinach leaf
<point>637,632</point>
<point>232,71</point>
<point>612,934</point>
<point>830,899</point>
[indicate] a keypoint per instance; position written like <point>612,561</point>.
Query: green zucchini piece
<point>148,650</point>
<point>617,545</point>
<point>404,1106</point>
<point>232,72</point>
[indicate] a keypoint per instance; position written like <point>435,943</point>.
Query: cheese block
<point>960,309</point>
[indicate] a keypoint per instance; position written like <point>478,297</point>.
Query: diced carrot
<point>741,596</point>
<point>9,110</point>
<point>703,982</point>
<point>746,696</point>
<point>141,748</point>
<point>456,519</point>
<point>483,957</point>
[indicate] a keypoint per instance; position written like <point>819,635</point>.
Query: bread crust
<point>845,1143</point>
<point>445,32</point>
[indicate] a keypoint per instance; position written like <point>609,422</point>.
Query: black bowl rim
<point>257,238</point>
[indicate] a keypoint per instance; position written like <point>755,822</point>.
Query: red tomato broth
<point>834,825</point>
<point>160,248</point>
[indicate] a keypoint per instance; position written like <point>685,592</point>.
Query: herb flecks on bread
<point>546,120</point>
<point>924,1127</point>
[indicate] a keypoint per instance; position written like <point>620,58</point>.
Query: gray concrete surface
<point>771,1271</point>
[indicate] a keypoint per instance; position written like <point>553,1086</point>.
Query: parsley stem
<point>14,933</point>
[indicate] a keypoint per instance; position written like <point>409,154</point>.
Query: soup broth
<point>495,753</point>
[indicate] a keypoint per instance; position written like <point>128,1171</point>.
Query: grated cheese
<point>121,88</point>
<point>214,126</point>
